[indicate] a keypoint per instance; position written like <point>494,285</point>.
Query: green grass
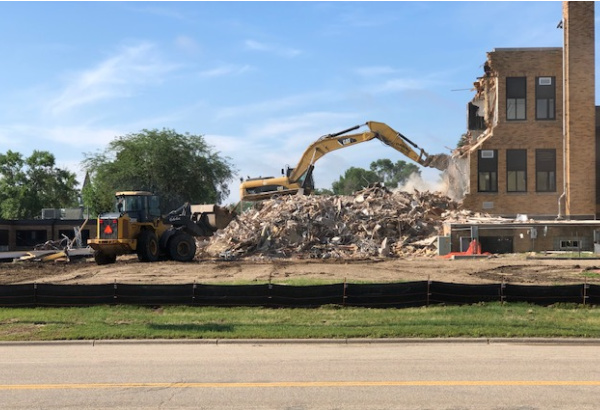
<point>129,322</point>
<point>566,255</point>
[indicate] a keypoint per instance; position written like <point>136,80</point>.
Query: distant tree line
<point>177,167</point>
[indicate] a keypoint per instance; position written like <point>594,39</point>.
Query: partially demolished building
<point>532,131</point>
<point>531,145</point>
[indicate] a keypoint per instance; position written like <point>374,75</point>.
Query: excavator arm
<point>299,179</point>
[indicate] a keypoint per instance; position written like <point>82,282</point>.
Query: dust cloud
<point>453,182</point>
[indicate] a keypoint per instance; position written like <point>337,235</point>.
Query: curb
<point>216,342</point>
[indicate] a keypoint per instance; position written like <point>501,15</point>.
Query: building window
<point>516,93</point>
<point>27,238</point>
<point>516,170</point>
<point>545,97</point>
<point>545,170</point>
<point>487,168</point>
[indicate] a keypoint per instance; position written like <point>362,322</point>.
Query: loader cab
<point>141,206</point>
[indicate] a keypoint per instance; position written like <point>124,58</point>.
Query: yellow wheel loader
<point>137,226</point>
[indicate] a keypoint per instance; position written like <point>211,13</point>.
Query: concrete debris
<point>372,223</point>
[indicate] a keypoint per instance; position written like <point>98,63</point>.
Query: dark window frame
<point>487,172</point>
<point>545,170</point>
<point>545,93</point>
<point>516,170</point>
<point>516,94</point>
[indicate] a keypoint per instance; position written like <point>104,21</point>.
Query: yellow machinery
<point>299,179</point>
<point>137,226</point>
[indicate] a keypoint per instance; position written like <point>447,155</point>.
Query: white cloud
<point>269,107</point>
<point>187,44</point>
<point>372,71</point>
<point>399,84</point>
<point>225,70</point>
<point>115,77</point>
<point>269,48</point>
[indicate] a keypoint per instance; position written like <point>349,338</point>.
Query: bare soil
<point>517,269</point>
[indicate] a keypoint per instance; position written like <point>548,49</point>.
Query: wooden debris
<point>374,222</point>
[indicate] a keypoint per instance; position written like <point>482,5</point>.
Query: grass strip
<point>177,322</point>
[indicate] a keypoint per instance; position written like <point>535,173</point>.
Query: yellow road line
<point>425,383</point>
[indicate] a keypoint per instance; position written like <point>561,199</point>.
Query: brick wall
<point>579,179</point>
<point>529,134</point>
<point>578,23</point>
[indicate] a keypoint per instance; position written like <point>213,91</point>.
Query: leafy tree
<point>354,179</point>
<point>392,174</point>
<point>27,185</point>
<point>178,167</point>
<point>323,191</point>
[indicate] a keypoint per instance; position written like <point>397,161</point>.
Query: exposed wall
<point>529,134</point>
<point>16,235</point>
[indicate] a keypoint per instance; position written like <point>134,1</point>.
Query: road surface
<point>294,376</point>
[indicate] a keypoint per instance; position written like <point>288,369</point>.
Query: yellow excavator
<point>299,180</point>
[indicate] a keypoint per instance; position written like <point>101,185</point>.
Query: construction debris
<point>374,222</point>
<point>63,250</point>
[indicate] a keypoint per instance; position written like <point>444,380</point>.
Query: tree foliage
<point>178,167</point>
<point>383,171</point>
<point>354,179</point>
<point>393,175</point>
<point>27,185</point>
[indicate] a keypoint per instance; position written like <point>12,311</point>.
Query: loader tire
<point>147,247</point>
<point>102,258</point>
<point>182,247</point>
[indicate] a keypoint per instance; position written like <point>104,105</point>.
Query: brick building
<point>532,127</point>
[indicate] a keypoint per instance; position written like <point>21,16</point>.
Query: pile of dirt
<point>374,222</point>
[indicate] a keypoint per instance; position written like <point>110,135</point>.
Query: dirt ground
<point>517,269</point>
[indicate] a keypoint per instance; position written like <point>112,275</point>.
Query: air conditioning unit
<point>487,153</point>
<point>50,213</point>
<point>545,81</point>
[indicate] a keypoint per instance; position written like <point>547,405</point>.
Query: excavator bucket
<point>439,161</point>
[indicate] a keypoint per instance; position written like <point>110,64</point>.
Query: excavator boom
<point>299,179</point>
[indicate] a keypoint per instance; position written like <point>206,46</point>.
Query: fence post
<point>115,292</point>
<point>585,288</point>
<point>344,296</point>
<point>502,286</point>
<point>194,292</point>
<point>35,293</point>
<point>428,291</point>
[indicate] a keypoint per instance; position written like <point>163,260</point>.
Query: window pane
<point>542,181</point>
<point>515,87</point>
<point>521,181</point>
<point>542,109</point>
<point>516,181</point>
<point>511,181</point>
<point>521,109</point>
<point>511,109</point>
<point>484,181</point>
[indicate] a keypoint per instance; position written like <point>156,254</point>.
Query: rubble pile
<point>373,222</point>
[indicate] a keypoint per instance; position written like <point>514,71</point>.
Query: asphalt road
<point>295,376</point>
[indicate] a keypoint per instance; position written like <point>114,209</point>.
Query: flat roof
<point>527,49</point>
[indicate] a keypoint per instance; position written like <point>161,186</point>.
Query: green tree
<point>27,185</point>
<point>178,167</point>
<point>322,191</point>
<point>354,179</point>
<point>392,174</point>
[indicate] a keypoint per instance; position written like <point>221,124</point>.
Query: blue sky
<point>259,80</point>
